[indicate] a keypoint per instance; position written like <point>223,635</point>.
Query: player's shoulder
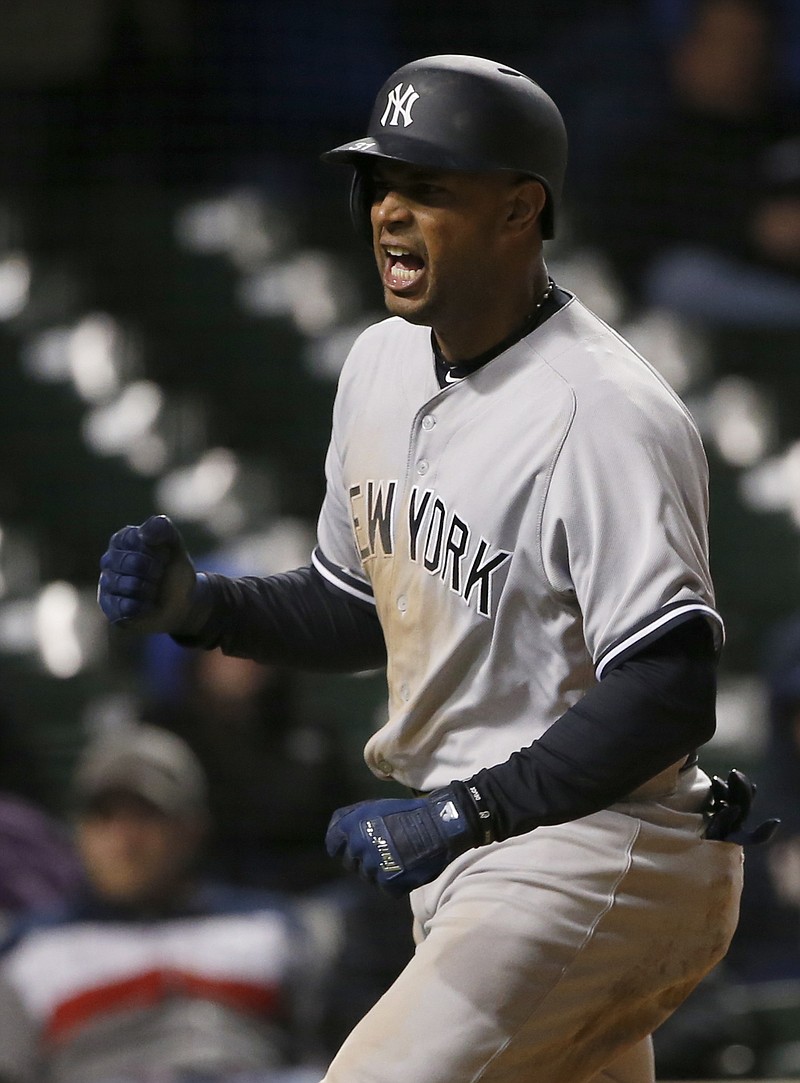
<point>381,349</point>
<point>606,376</point>
<point>386,337</point>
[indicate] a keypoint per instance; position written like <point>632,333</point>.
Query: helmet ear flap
<point>361,192</point>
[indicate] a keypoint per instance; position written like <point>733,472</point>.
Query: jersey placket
<point>405,600</point>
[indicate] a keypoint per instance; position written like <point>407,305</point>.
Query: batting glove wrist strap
<point>477,810</point>
<point>401,844</point>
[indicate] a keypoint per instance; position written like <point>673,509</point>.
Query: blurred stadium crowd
<point>179,285</point>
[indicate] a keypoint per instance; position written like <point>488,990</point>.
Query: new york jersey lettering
<point>439,540</point>
<point>372,511</point>
<point>443,543</point>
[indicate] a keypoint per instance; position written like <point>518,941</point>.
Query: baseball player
<point>515,523</point>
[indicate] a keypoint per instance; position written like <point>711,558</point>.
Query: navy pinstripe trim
<point>654,626</point>
<point>342,578</point>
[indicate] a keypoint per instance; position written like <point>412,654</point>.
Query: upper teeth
<point>398,251</point>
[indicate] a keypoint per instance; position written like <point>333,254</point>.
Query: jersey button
<point>428,421</point>
<point>422,466</point>
<point>402,603</point>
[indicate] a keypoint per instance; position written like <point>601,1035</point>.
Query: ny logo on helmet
<point>399,104</point>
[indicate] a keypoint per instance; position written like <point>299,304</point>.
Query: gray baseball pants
<point>552,957</point>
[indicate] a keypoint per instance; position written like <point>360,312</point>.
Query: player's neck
<point>476,338</point>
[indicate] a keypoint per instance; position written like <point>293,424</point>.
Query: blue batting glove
<point>147,581</point>
<point>400,844</point>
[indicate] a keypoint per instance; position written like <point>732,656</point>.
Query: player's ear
<point>526,202</point>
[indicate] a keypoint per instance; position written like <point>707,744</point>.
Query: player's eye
<point>426,191</point>
<point>417,191</point>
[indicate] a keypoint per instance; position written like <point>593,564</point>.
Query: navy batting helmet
<point>460,113</point>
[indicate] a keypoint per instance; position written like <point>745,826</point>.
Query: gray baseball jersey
<point>520,532</point>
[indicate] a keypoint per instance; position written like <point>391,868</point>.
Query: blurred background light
<point>673,348</point>
<point>739,417</point>
<point>191,492</point>
<point>56,616</point>
<point>587,273</point>
<point>741,715</point>
<point>61,626</point>
<point>147,455</point>
<point>15,284</point>
<point>219,492</point>
<point>18,626</point>
<point>95,354</point>
<point>45,356</point>
<point>69,629</point>
<point>285,544</point>
<point>116,426</point>
<point>774,484</point>
<point>242,225</point>
<point>100,355</point>
<point>315,289</point>
<point>19,563</point>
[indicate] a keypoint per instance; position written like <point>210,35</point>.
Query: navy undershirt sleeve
<point>649,712</point>
<point>295,618</point>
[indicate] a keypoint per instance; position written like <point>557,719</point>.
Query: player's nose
<point>390,207</point>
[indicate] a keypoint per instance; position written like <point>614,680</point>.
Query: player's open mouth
<point>403,268</point>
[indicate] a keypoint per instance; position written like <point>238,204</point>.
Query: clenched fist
<point>147,581</point>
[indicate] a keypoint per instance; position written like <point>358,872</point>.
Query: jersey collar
<point>447,374</point>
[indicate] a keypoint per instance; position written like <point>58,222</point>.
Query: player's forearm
<point>589,759</point>
<point>644,716</point>
<point>293,618</point>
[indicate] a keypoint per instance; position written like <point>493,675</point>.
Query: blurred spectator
<point>767,943</point>
<point>273,779</point>
<point>694,186</point>
<point>38,864</point>
<point>776,222</point>
<point>758,290</point>
<point>668,19</point>
<point>149,971</point>
<point>273,783</point>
